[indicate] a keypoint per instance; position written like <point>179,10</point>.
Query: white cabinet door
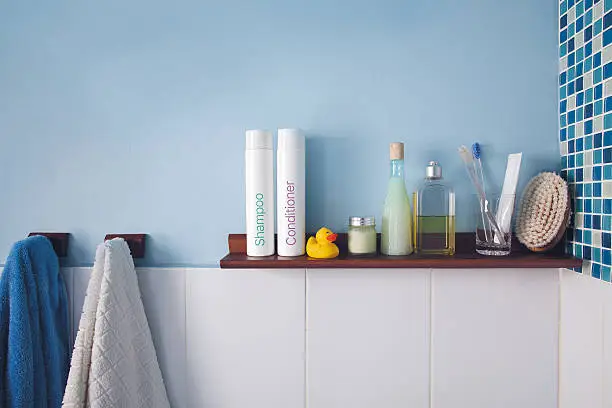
<point>368,338</point>
<point>494,338</point>
<point>245,338</point>
<point>581,371</point>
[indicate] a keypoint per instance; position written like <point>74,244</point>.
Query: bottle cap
<point>396,151</point>
<point>259,139</point>
<point>290,139</point>
<point>362,221</point>
<point>433,171</point>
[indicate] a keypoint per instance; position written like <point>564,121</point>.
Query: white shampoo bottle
<point>259,177</point>
<point>291,192</point>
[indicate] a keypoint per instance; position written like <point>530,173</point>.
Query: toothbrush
<point>468,160</point>
<point>478,168</point>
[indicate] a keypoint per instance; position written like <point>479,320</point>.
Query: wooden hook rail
<point>59,240</point>
<point>136,243</point>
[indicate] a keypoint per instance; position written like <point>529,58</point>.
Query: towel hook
<point>136,243</point>
<point>59,240</point>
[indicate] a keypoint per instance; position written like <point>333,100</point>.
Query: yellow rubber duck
<point>322,246</point>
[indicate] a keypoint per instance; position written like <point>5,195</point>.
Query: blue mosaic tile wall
<point>585,132</point>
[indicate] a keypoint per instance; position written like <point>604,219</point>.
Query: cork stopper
<point>396,151</point>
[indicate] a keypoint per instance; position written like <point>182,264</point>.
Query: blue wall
<point>129,116</point>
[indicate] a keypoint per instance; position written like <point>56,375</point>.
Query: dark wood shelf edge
<point>466,257</point>
<point>241,261</point>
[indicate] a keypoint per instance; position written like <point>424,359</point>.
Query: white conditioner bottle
<point>259,177</point>
<point>291,192</point>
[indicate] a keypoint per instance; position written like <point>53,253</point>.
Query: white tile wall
<point>245,338</point>
<point>368,338</point>
<point>494,338</point>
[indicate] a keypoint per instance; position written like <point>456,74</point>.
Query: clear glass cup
<point>494,224</point>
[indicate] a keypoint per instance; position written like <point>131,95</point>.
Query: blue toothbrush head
<point>476,150</point>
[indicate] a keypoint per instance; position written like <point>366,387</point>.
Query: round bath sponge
<point>543,213</point>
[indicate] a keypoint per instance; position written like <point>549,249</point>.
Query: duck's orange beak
<point>332,237</point>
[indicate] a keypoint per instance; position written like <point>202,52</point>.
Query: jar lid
<point>433,171</point>
<point>361,221</point>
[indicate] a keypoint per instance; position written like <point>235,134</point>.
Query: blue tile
<point>570,4</point>
<point>607,140</point>
<point>607,5</point>
<point>588,33</point>
<point>606,239</point>
<point>588,205</point>
<point>563,92</point>
<point>579,175</point>
<point>588,49</point>
<point>563,7</point>
<point>563,36</point>
<point>605,273</point>
<point>571,161</point>
<point>563,106</point>
<point>580,145</point>
<point>563,50</point>
<point>588,221</point>
<point>580,24</point>
<point>571,59</point>
<point>607,155</point>
<point>596,271</point>
<point>580,98</point>
<point>586,252</point>
<point>608,104</point>
<point>607,223</point>
<point>564,162</point>
<point>580,55</point>
<point>597,205</point>
<point>597,140</point>
<point>580,160</point>
<point>597,173</point>
<point>563,120</point>
<point>563,135</point>
<point>579,114</point>
<point>579,202</point>
<point>588,140</point>
<point>596,193</point>
<point>597,28</point>
<point>571,132</point>
<point>579,68</point>
<point>570,88</point>
<point>588,4</point>
<point>563,21</point>
<point>571,146</point>
<point>597,59</point>
<point>597,156</point>
<point>598,108</point>
<point>607,69</point>
<point>571,74</point>
<point>605,257</point>
<point>596,254</point>
<point>607,20</point>
<point>588,113</point>
<point>608,121</point>
<point>598,91</point>
<point>578,250</point>
<point>571,117</point>
<point>588,64</point>
<point>579,8</point>
<point>607,205</point>
<point>607,37</point>
<point>588,17</point>
<point>607,173</point>
<point>571,45</point>
<point>588,95</point>
<point>571,30</point>
<point>588,192</point>
<point>563,78</point>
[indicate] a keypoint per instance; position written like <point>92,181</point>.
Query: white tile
<point>571,102</point>
<point>245,338</point>
<point>579,220</point>
<point>80,280</point>
<point>588,79</point>
<point>163,296</point>
<point>606,189</point>
<point>606,53</point>
<point>368,338</point>
<point>579,40</point>
<point>579,129</point>
<point>597,44</point>
<point>494,338</point>
<point>596,238</point>
<point>563,64</point>
<point>588,158</point>
<point>598,123</point>
<point>563,148</point>
<point>607,88</point>
<point>586,268</point>
<point>571,15</point>
<point>588,173</point>
<point>581,342</point>
<point>598,10</point>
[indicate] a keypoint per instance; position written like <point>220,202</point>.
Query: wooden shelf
<point>465,257</point>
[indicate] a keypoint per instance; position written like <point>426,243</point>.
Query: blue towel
<point>34,355</point>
